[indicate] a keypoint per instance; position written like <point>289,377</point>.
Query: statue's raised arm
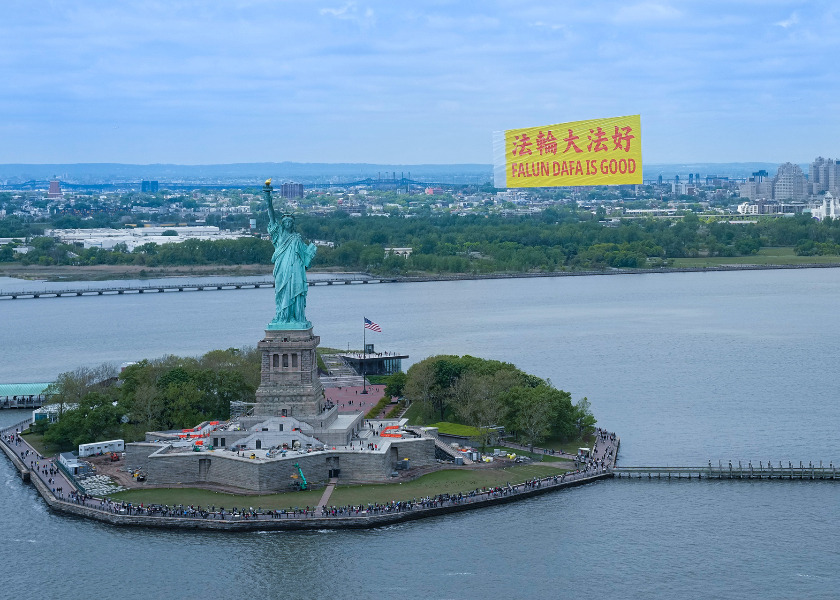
<point>272,217</point>
<point>291,258</point>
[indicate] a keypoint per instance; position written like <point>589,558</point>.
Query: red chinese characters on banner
<point>621,136</point>
<point>546,143</point>
<point>597,139</point>
<point>604,151</point>
<point>521,145</point>
<point>570,142</point>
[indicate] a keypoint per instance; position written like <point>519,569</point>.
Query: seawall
<point>300,523</point>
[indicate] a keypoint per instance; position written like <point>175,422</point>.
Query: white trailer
<point>97,448</point>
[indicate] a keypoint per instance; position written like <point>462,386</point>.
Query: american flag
<point>372,326</point>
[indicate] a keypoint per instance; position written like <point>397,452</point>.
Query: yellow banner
<point>593,152</point>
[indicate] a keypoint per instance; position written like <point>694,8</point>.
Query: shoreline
<point>303,523</point>
<point>284,522</point>
<point>93,274</point>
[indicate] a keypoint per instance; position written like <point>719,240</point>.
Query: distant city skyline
<point>341,81</point>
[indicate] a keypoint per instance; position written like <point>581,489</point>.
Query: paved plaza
<point>350,399</point>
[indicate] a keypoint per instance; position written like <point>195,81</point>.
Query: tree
<point>96,418</point>
<point>533,415</point>
<point>396,384</point>
<point>420,385</point>
<point>71,387</point>
<point>477,402</point>
<point>584,419</point>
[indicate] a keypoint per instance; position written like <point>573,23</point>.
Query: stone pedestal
<point>289,382</point>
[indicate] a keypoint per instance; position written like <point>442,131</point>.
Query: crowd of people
<point>601,460</point>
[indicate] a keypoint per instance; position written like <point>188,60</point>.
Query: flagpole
<point>364,356</point>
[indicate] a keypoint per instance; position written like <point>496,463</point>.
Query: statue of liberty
<point>291,258</point>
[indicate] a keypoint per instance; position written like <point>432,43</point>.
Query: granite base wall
<point>226,469</point>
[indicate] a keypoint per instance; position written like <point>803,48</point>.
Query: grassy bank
<point>439,482</point>
<point>782,255</point>
<point>36,440</point>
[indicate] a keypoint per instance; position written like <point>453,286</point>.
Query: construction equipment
<point>114,457</point>
<point>300,480</point>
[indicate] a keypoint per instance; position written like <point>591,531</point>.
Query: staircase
<point>442,448</point>
<point>340,374</point>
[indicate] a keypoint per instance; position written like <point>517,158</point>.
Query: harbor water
<point>687,368</point>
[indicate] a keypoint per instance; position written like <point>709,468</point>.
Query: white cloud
<point>792,20</point>
<point>215,72</point>
<point>349,11</point>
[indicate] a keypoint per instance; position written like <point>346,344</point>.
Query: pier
<point>175,286</point>
<point>23,395</point>
<point>762,470</point>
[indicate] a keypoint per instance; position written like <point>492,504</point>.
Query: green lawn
<point>783,255</point>
<point>536,456</point>
<point>570,447</point>
<point>207,498</point>
<point>36,440</point>
<point>414,413</point>
<point>439,482</point>
<point>456,429</point>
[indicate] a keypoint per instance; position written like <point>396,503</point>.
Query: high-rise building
<point>149,187</point>
<point>824,176</point>
<point>291,190</point>
<point>790,183</point>
<point>55,189</point>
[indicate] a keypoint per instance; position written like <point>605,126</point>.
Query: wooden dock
<point>789,471</point>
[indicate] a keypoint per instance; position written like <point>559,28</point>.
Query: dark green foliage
<point>167,393</point>
<point>395,384</point>
<point>487,393</point>
<point>560,238</point>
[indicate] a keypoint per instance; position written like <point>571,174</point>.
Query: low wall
<point>299,523</point>
<point>295,523</point>
<point>275,475</point>
<point>16,461</point>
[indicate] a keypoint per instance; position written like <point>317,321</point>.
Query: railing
<point>21,426</point>
<point>70,477</point>
<point>763,470</point>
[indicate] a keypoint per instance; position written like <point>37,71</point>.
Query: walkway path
<point>325,497</point>
<point>43,468</point>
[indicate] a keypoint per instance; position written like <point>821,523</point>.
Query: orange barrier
<point>390,435</point>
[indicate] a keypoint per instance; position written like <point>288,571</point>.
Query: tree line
<point>172,392</point>
<point>559,238</point>
<point>488,393</point>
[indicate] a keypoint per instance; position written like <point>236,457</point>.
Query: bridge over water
<point>174,286</point>
<point>182,286</point>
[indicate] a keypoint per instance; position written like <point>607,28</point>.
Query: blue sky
<point>397,82</point>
